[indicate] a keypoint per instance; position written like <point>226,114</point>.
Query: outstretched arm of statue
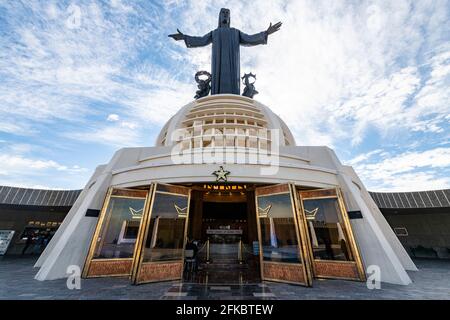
<point>273,28</point>
<point>192,42</point>
<point>177,36</point>
<point>258,38</point>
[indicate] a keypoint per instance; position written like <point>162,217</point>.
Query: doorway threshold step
<point>225,266</point>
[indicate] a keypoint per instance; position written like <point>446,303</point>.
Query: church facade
<point>226,176</point>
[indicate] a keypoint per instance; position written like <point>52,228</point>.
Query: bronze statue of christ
<point>226,42</point>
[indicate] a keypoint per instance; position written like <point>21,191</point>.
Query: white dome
<point>225,120</point>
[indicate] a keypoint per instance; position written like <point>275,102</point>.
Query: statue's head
<point>224,18</point>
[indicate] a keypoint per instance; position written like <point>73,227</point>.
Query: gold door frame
<point>299,230</point>
<point>124,261</point>
<point>303,229</point>
<point>333,193</point>
<point>143,234</point>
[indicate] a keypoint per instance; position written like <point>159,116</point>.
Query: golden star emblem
<point>221,174</point>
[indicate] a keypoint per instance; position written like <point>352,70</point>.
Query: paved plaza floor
<point>432,281</point>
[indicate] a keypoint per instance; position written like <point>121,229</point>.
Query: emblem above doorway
<point>221,174</point>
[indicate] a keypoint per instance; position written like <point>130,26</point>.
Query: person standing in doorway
<point>28,242</point>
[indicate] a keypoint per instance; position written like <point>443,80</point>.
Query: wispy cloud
<point>60,73</point>
<point>18,164</point>
<point>123,134</point>
<point>419,170</point>
<point>21,171</point>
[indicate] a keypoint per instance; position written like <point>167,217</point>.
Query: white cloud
<point>18,127</point>
<point>119,135</point>
<point>21,168</point>
<point>363,157</point>
<point>117,4</point>
<point>409,171</point>
<point>418,181</point>
<point>55,72</point>
<point>17,164</point>
<point>113,117</point>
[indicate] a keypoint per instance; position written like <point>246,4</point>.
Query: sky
<point>81,79</point>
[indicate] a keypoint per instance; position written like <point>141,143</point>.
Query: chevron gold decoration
<point>136,214</point>
<point>181,211</point>
<point>264,212</point>
<point>311,215</point>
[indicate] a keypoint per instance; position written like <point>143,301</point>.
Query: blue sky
<point>80,79</point>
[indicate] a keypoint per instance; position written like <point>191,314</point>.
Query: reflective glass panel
<point>278,234</point>
<point>120,228</point>
<point>326,229</point>
<point>166,229</point>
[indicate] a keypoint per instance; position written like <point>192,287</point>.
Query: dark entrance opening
<point>224,228</point>
<point>225,222</point>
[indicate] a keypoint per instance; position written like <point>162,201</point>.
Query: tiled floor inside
<point>432,281</point>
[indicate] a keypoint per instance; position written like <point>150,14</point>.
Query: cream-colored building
<point>226,171</point>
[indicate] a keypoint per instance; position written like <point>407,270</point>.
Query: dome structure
<point>225,121</point>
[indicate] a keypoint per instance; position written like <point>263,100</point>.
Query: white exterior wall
<point>304,166</point>
<point>61,230</point>
<point>381,222</point>
<point>374,245</point>
<point>70,244</point>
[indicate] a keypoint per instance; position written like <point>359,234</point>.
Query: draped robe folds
<point>225,65</point>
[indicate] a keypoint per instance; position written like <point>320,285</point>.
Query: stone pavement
<point>432,281</point>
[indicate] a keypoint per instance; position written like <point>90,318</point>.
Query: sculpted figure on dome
<point>226,42</point>
<point>249,90</point>
<point>203,85</point>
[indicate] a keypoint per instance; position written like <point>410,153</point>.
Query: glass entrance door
<point>161,240</point>
<point>283,253</point>
<point>113,246</point>
<point>333,250</point>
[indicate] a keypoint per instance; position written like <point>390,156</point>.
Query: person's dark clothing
<point>28,243</point>
<point>193,247</point>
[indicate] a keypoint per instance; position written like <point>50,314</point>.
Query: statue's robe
<point>225,65</point>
